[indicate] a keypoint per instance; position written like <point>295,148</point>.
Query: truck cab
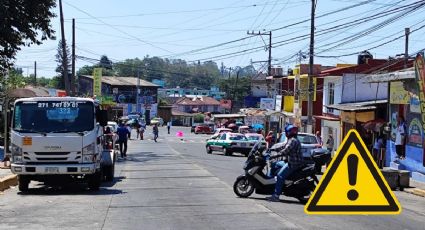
<point>57,138</point>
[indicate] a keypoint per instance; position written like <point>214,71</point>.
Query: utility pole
<point>73,78</point>
<point>138,91</point>
<point>406,47</point>
<point>65,57</point>
<point>35,73</point>
<point>234,90</point>
<point>311,70</point>
<point>230,71</point>
<point>269,72</point>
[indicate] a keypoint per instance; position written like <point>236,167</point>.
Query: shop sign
<point>398,95</point>
<point>420,79</point>
<point>267,103</point>
<point>97,81</point>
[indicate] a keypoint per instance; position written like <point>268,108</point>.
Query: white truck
<point>59,139</point>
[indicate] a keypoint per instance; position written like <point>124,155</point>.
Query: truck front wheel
<point>95,180</point>
<point>23,183</point>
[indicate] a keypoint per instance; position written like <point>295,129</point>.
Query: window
<point>223,137</point>
<point>331,95</point>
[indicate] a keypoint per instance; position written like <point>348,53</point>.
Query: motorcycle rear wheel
<point>243,187</point>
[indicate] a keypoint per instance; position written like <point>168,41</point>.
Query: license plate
<point>51,170</point>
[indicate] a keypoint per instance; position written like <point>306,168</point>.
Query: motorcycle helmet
<point>291,130</point>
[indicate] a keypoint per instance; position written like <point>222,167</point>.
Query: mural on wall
<point>415,132</point>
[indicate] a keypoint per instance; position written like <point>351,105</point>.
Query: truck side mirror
<point>102,117</point>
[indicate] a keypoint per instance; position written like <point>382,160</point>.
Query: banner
<point>398,95</point>
<point>267,103</point>
<point>304,89</point>
<point>420,79</point>
<point>278,106</point>
<point>97,81</point>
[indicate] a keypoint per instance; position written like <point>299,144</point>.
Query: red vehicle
<point>202,129</point>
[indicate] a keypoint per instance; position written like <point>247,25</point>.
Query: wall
<point>259,89</point>
<point>337,80</point>
<point>363,91</point>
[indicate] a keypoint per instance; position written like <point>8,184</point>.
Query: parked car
<point>229,143</point>
<point>192,129</point>
<point>157,120</point>
<point>203,128</point>
<point>220,131</point>
<point>255,137</point>
<point>310,149</point>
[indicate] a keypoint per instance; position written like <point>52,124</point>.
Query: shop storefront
<point>404,101</point>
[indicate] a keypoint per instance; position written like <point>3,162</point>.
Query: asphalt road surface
<point>174,184</point>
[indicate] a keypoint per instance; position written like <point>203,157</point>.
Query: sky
<point>217,31</point>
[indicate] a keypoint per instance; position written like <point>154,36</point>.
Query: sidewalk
<point>416,188</point>
<point>7,179</point>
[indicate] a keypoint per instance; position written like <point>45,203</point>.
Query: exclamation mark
<point>352,161</point>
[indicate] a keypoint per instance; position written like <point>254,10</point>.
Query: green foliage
<point>236,90</point>
<point>14,80</point>
<point>21,22</point>
<point>198,118</point>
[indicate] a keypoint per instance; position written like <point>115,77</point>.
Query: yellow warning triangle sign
<point>352,184</point>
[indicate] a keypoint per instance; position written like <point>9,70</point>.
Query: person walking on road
<point>155,132</point>
<point>142,131</point>
<point>123,133</point>
<point>168,126</point>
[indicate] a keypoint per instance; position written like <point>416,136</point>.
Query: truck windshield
<point>53,116</point>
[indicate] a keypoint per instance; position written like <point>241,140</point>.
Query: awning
<point>328,118</point>
<point>357,106</point>
<point>393,76</point>
<point>219,116</point>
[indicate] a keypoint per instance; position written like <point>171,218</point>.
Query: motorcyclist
<point>292,152</point>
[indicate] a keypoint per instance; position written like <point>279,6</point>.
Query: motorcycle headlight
<point>16,150</point>
<point>89,149</point>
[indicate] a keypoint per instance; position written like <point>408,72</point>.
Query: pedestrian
<point>142,131</point>
<point>128,127</point>
<point>168,126</point>
<point>123,133</point>
<point>319,138</point>
<point>138,125</point>
<point>377,146</point>
<point>269,139</point>
<point>330,144</point>
<point>400,138</point>
<point>155,132</point>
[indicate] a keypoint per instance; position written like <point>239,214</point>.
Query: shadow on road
<point>73,188</point>
<point>281,200</point>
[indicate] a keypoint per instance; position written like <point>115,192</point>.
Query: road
<point>174,184</point>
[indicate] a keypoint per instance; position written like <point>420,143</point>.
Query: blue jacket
<point>122,132</point>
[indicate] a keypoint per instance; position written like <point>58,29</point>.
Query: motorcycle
<point>300,184</point>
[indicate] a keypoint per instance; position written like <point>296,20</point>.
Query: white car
<point>157,120</point>
<point>113,125</point>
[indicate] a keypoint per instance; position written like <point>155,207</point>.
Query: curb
<point>8,181</point>
<point>415,191</point>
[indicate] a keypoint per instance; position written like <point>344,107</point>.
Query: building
<point>178,92</point>
<point>196,104</point>
<point>404,100</point>
<point>123,92</point>
<point>295,96</point>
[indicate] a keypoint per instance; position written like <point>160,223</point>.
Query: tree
<point>60,60</point>
<point>21,22</point>
<point>105,62</point>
